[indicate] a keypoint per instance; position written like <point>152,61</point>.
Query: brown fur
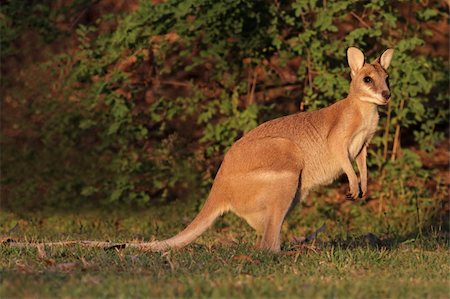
<point>264,171</point>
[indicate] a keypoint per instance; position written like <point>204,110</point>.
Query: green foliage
<point>145,111</point>
<point>222,134</point>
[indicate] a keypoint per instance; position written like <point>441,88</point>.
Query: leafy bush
<point>143,112</point>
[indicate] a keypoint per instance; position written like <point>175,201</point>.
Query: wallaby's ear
<point>385,58</point>
<point>355,59</point>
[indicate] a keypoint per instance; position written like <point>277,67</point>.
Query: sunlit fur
<point>283,159</point>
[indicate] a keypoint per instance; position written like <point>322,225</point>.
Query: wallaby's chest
<point>363,133</point>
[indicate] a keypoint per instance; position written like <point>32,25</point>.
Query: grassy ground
<point>221,264</point>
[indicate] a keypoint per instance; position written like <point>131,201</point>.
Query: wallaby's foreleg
<point>347,167</point>
<point>362,168</point>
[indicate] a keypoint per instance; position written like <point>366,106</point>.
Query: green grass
<point>221,264</point>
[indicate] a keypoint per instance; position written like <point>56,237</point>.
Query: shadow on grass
<point>427,240</point>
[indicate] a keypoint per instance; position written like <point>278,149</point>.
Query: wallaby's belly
<point>321,168</point>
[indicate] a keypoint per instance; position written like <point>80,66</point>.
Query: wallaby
<point>280,161</point>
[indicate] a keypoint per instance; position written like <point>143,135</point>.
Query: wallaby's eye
<point>367,79</point>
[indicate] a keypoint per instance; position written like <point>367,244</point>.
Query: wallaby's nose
<point>386,94</point>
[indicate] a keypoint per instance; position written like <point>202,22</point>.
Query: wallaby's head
<point>370,80</point>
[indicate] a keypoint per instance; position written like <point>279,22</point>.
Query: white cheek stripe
<point>372,96</point>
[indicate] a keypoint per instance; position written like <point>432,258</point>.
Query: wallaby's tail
<point>212,209</point>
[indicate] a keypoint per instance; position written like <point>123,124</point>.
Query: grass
<point>221,264</point>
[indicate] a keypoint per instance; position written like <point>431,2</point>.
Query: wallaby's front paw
<point>362,194</point>
<point>362,191</point>
<point>351,196</point>
<point>354,193</point>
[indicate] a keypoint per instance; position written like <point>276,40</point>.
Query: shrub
<point>144,111</point>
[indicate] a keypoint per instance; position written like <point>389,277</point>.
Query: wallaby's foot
<point>275,247</point>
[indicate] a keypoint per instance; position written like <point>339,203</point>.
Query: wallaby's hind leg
<point>276,213</point>
<point>271,200</point>
<point>261,190</point>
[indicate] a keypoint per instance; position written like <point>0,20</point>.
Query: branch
<point>360,19</point>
